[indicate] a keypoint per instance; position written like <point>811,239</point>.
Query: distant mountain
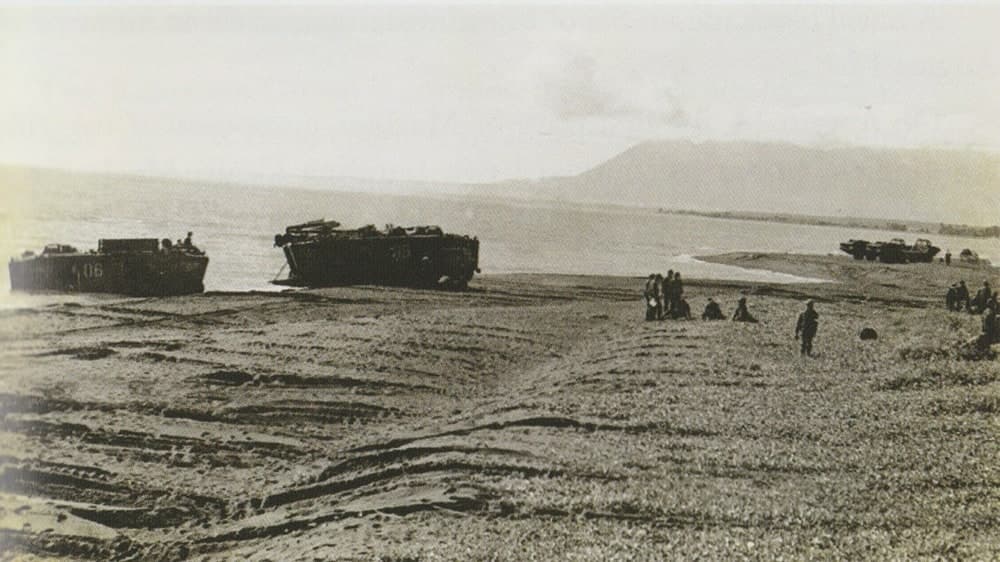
<point>958,186</point>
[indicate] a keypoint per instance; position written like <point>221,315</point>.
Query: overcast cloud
<point>479,93</point>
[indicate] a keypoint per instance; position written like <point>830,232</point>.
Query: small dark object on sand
<point>869,334</point>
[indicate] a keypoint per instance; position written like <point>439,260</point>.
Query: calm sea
<point>236,225</point>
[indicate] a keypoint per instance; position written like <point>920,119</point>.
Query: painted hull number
<point>93,270</point>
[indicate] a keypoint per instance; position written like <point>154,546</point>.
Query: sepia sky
<point>479,92</point>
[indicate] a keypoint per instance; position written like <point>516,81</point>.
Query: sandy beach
<point>531,417</point>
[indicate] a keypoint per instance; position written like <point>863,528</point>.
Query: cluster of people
<point>985,302</point>
<point>957,298</point>
<point>664,297</point>
<point>741,314</point>
<point>185,245</point>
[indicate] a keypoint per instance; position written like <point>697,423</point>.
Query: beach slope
<point>531,417</point>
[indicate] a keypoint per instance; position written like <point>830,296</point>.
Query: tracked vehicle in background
<point>127,266</point>
<point>893,251</point>
<point>858,249</point>
<point>321,254</point>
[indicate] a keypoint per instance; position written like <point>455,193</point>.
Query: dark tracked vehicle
<point>128,266</point>
<point>893,251</point>
<point>320,254</point>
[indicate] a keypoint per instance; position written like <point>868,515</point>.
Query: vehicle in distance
<point>893,251</point>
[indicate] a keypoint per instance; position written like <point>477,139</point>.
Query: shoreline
<point>910,227</point>
<point>779,278</point>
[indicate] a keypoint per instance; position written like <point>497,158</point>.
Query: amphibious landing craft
<point>128,266</point>
<point>321,254</point>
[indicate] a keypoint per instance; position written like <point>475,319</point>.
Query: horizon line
<point>258,178</point>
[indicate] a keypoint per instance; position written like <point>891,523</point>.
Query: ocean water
<point>236,225</point>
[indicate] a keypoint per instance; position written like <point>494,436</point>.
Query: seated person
<point>742,314</point>
<point>712,311</point>
<point>683,310</point>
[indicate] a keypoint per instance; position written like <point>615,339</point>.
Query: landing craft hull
<point>421,261</point>
<point>136,275</point>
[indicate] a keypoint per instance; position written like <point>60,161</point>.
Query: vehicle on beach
<point>968,256</point>
<point>858,249</point>
<point>128,266</point>
<point>321,254</point>
<point>893,251</point>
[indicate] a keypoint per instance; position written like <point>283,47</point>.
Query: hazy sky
<point>479,93</point>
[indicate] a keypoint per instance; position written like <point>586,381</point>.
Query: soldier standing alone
<point>806,327</point>
<point>989,336</point>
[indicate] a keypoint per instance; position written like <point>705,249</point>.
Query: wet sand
<point>532,416</point>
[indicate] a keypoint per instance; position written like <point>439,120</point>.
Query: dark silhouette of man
<point>742,314</point>
<point>712,311</point>
<point>677,292</point>
<point>982,297</point>
<point>806,328</point>
<point>962,296</point>
<point>649,296</point>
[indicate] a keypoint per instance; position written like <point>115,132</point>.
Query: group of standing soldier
<point>664,298</point>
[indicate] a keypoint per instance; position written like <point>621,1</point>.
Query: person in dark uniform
<point>951,296</point>
<point>742,314</point>
<point>712,311</point>
<point>676,294</point>
<point>806,327</point>
<point>683,310</point>
<point>989,336</point>
<point>668,290</point>
<point>947,257</point>
<point>658,294</point>
<point>982,296</point>
<point>962,296</point>
<point>187,241</point>
<point>649,297</point>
